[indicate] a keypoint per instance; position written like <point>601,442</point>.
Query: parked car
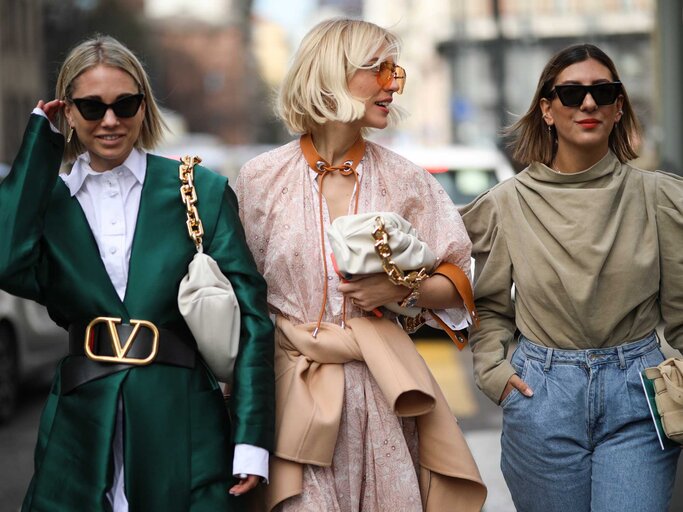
<point>31,344</point>
<point>463,171</point>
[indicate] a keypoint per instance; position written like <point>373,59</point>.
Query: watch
<point>410,301</point>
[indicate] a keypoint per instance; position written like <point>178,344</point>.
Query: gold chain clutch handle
<point>414,279</point>
<point>206,299</point>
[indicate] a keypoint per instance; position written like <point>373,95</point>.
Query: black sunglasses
<point>572,95</point>
<point>93,110</point>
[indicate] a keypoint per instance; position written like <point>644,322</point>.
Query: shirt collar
<point>136,164</point>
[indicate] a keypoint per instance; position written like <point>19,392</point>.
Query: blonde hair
<point>531,141</point>
<point>315,88</point>
<point>107,51</point>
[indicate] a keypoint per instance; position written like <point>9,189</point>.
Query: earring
<point>70,135</point>
<point>550,129</point>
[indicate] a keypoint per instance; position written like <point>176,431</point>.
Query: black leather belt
<point>116,346</point>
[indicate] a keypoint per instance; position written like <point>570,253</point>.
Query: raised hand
<point>51,109</point>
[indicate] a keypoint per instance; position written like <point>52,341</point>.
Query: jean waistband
<point>591,356</point>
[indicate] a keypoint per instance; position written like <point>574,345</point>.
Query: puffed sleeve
<point>429,209</point>
<point>670,235</point>
<point>492,285</point>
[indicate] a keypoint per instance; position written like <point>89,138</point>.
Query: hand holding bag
<point>206,298</point>
<point>384,241</point>
<point>370,243</point>
<point>667,379</point>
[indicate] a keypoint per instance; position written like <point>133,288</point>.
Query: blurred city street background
<point>472,68</point>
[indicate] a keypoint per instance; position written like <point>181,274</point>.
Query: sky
<point>290,13</point>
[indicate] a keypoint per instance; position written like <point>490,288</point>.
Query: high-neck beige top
<point>596,258</point>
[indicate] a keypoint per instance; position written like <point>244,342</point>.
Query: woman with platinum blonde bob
<point>346,439</point>
<point>592,245</point>
<point>135,420</point>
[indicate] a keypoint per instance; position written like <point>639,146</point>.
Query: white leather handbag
<point>209,305</point>
<point>206,299</point>
<point>356,251</point>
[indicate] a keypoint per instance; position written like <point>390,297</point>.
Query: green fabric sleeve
<point>253,393</point>
<point>24,196</point>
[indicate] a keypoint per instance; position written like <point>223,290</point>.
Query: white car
<point>463,171</point>
<point>31,344</point>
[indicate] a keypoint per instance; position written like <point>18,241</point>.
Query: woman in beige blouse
<point>592,246</point>
<point>342,442</point>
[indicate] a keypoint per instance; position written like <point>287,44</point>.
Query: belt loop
<point>548,359</point>
<point>622,361</point>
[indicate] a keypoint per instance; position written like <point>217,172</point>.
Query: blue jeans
<point>585,441</point>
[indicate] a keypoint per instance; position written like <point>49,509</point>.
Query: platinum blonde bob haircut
<point>315,88</point>
<point>107,51</point>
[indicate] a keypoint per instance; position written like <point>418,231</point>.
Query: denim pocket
<point>520,363</point>
<point>651,358</point>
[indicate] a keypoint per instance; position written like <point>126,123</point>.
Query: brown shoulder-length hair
<point>530,139</point>
<point>108,51</point>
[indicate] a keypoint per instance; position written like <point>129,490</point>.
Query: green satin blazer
<point>178,439</point>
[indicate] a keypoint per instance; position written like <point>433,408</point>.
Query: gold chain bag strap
<point>412,280</point>
<point>206,299</point>
<point>413,321</point>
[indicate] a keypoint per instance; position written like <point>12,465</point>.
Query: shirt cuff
<point>40,112</point>
<point>250,460</point>
<point>456,318</point>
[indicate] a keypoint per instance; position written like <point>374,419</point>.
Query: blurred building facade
<point>476,63</point>
<point>21,69</point>
<point>208,72</point>
<point>472,65</point>
<point>498,49</point>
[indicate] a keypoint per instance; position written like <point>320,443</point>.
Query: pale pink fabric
<point>374,465</point>
<point>374,468</point>
<point>279,209</point>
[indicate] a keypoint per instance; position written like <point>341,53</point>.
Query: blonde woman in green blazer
<point>109,240</point>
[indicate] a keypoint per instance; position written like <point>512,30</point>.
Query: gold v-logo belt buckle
<point>120,351</point>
